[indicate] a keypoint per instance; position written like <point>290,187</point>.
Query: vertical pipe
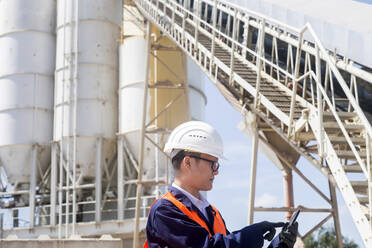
<point>98,187</point>
<point>120,157</point>
<point>120,179</point>
<point>142,140</point>
<point>32,193</point>
<point>336,218</point>
<point>157,194</point>
<point>61,150</point>
<point>53,185</point>
<point>60,185</point>
<point>252,188</point>
<point>288,191</point>
<point>76,64</point>
<point>67,208</point>
<point>320,102</point>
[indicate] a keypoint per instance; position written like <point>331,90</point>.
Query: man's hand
<point>288,235</point>
<point>268,228</point>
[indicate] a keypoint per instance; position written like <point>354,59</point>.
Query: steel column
<point>53,185</point>
<point>74,127</point>
<point>32,193</point>
<point>98,184</point>
<point>142,139</point>
<point>336,220</point>
<point>120,179</point>
<point>60,186</point>
<point>288,191</point>
<point>252,188</point>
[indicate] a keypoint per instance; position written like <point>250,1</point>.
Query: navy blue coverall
<point>168,227</point>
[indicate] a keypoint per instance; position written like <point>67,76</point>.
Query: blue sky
<point>364,1</point>
<point>230,193</point>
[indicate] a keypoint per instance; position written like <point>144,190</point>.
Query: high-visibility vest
<point>218,224</point>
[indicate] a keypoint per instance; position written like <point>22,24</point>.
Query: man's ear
<point>186,162</point>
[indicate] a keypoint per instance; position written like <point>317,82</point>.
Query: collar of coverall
<point>183,198</point>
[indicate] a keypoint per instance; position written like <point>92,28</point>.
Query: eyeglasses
<point>214,164</point>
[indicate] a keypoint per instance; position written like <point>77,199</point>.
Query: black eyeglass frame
<point>214,164</point>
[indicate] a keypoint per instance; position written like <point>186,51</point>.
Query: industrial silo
<point>86,80</point>
<point>86,115</point>
<point>175,95</point>
<point>27,59</point>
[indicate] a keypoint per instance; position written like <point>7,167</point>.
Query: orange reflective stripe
<point>145,245</point>
<point>218,224</point>
<point>191,214</point>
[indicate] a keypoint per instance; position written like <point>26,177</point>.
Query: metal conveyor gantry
<point>305,93</point>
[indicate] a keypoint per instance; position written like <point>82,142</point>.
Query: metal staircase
<point>305,93</point>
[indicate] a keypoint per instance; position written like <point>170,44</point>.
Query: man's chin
<point>209,187</point>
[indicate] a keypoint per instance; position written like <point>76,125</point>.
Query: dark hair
<point>177,159</point>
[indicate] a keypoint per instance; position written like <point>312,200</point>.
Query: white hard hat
<point>195,136</point>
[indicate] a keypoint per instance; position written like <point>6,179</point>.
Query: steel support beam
<point>98,183</point>
<point>336,220</point>
<point>252,188</point>
<point>142,139</point>
<point>53,185</point>
<point>120,179</point>
<point>288,191</point>
<point>32,193</point>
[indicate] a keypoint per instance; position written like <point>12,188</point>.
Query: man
<point>183,217</point>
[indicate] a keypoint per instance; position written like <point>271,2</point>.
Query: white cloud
<point>266,200</point>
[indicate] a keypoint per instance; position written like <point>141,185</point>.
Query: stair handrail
<point>340,124</point>
<point>300,33</point>
<point>341,81</point>
<point>325,55</point>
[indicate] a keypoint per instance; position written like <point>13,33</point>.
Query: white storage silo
<point>87,64</point>
<point>197,98</point>
<point>163,90</point>
<point>27,59</point>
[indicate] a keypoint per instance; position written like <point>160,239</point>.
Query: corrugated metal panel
<point>344,25</point>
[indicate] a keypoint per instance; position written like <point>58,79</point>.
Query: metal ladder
<point>288,80</point>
